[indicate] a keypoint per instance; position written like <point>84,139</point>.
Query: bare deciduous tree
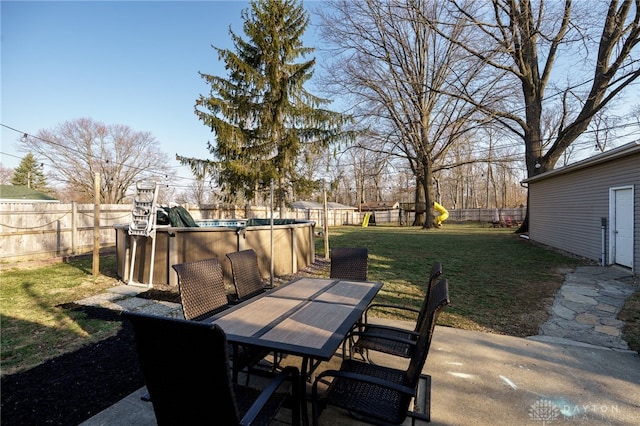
<point>201,189</point>
<point>80,148</point>
<point>5,175</point>
<point>528,41</point>
<point>398,73</point>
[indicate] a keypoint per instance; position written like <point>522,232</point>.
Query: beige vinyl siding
<point>566,209</point>
<point>636,222</point>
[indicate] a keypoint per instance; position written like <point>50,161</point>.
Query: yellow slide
<point>365,222</point>
<point>444,213</point>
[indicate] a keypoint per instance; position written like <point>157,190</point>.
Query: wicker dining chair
<point>185,365</point>
<point>389,339</point>
<point>246,274</point>
<point>379,394</point>
<point>201,287</point>
<point>349,263</point>
<point>203,294</point>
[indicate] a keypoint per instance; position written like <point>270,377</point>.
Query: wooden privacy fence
<point>45,230</point>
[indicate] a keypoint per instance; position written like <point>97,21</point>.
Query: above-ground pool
<point>293,247</point>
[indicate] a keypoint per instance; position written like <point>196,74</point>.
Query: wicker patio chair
<point>349,263</point>
<point>203,294</point>
<point>246,274</point>
<point>202,290</point>
<point>388,339</point>
<point>185,366</point>
<point>379,394</point>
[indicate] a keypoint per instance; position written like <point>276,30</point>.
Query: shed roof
<point>373,205</point>
<point>621,151</point>
<point>312,205</point>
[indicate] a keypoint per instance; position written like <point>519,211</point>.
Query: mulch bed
<point>161,294</point>
<point>73,387</point>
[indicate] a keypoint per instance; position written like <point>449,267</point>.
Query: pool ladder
<point>143,222</point>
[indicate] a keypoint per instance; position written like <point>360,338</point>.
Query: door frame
<point>612,223</point>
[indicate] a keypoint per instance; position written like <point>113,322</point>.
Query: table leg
<point>234,371</point>
<point>303,385</point>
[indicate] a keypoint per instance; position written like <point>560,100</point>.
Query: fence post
<point>325,226</point>
<point>96,225</point>
<point>74,227</point>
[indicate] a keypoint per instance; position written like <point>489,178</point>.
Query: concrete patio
<point>481,378</point>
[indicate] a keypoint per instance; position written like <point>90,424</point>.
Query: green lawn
<point>498,281</point>
<point>34,323</point>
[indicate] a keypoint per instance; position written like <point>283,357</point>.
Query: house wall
<point>566,209</point>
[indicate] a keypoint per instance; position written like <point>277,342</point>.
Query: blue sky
<point>117,62</point>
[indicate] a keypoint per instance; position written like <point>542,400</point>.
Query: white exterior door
<point>621,226</point>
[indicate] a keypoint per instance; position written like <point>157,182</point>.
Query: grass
<point>630,314</point>
<point>498,283</point>
<point>35,325</point>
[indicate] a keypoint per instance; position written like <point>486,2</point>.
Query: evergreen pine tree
<point>263,117</point>
<point>30,174</point>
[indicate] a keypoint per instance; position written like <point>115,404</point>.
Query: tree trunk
<point>419,218</point>
<point>427,185</point>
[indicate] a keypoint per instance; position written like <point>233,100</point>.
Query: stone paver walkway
<point>586,307</point>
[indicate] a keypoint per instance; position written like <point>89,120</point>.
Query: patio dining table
<point>307,317</point>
